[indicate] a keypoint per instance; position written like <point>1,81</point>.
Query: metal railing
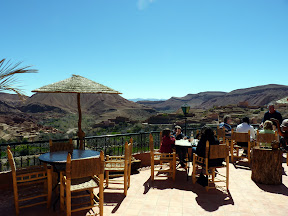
<point>26,153</point>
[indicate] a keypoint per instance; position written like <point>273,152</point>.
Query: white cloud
<point>143,4</point>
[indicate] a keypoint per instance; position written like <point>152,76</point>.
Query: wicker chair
<point>61,146</point>
<point>119,166</point>
<point>24,182</point>
<point>168,158</point>
<point>81,176</point>
<point>212,152</point>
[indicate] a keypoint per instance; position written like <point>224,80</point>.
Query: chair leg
<point>68,200</point>
<point>152,169</point>
<point>232,152</point>
<point>125,180</point>
<point>101,194</point>
<point>49,187</point>
<point>194,170</point>
<point>287,158</point>
<point>107,178</point>
<point>62,197</point>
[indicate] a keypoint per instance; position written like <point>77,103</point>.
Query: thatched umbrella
<point>77,84</point>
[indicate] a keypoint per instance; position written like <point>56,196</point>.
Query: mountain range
<point>109,106</point>
<point>254,96</point>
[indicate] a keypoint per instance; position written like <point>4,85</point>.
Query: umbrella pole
<point>81,134</point>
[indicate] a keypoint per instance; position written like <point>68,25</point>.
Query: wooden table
<point>266,165</point>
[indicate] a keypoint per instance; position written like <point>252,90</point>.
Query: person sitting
<point>267,128</point>
<point>180,150</point>
<point>207,134</point>
<point>283,132</point>
<point>168,142</point>
<point>244,127</point>
<point>227,121</point>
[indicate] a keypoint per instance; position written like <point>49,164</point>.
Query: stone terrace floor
<point>165,197</point>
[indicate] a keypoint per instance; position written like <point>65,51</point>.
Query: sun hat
<point>177,126</point>
<point>284,123</point>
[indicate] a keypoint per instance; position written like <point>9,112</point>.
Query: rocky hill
<point>254,96</point>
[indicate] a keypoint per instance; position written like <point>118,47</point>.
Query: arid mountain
<point>103,106</point>
<point>255,96</point>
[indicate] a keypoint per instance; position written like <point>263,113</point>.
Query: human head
<point>207,134</point>
<point>284,125</point>
<point>166,132</point>
<point>268,125</point>
<point>227,119</point>
<point>178,128</point>
<point>246,119</point>
<point>271,108</point>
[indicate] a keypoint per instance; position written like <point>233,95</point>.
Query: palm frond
<point>7,72</point>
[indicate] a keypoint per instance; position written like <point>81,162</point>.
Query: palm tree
<point>7,76</point>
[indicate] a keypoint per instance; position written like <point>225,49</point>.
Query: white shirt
<point>244,128</point>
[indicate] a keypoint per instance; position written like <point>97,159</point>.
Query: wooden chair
<point>119,166</point>
<point>212,152</point>
<point>221,135</point>
<point>81,176</point>
<point>24,181</point>
<point>61,146</point>
<point>169,158</point>
<point>234,148</point>
<point>264,138</point>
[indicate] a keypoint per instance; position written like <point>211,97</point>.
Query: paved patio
<point>165,197</point>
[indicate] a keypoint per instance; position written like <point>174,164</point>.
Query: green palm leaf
<point>8,71</point>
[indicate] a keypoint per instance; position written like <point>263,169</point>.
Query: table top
<point>186,143</point>
<point>60,157</point>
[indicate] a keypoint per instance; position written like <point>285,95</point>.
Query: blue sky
<point>149,48</point>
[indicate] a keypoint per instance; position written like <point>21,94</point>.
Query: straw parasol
<point>77,84</point>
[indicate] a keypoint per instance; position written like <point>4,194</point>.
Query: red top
<point>167,144</point>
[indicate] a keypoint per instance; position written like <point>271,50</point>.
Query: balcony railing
<point>27,153</point>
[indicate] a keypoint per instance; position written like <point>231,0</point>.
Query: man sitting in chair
<point>180,150</point>
<point>244,127</point>
<point>226,124</point>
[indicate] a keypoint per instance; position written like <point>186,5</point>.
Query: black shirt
<point>277,115</point>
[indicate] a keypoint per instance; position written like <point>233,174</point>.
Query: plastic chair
<point>212,152</point>
<point>119,166</point>
<point>82,175</point>
<point>169,158</point>
<point>24,181</point>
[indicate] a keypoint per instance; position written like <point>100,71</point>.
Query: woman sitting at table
<point>207,134</point>
<point>267,128</point>
<point>168,142</point>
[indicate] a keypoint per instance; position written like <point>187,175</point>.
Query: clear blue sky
<point>149,48</point>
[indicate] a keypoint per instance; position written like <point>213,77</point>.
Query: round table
<point>60,157</point>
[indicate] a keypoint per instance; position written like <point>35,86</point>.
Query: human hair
<point>166,132</point>
<point>268,125</point>
<point>207,134</point>
<point>270,104</point>
<point>226,117</point>
<point>246,119</point>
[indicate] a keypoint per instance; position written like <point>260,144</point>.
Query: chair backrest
<point>61,146</point>
<point>240,137</point>
<point>11,160</point>
<point>266,137</point>
<point>216,151</point>
<point>221,133</point>
<point>151,144</point>
<point>84,167</point>
<point>128,151</point>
